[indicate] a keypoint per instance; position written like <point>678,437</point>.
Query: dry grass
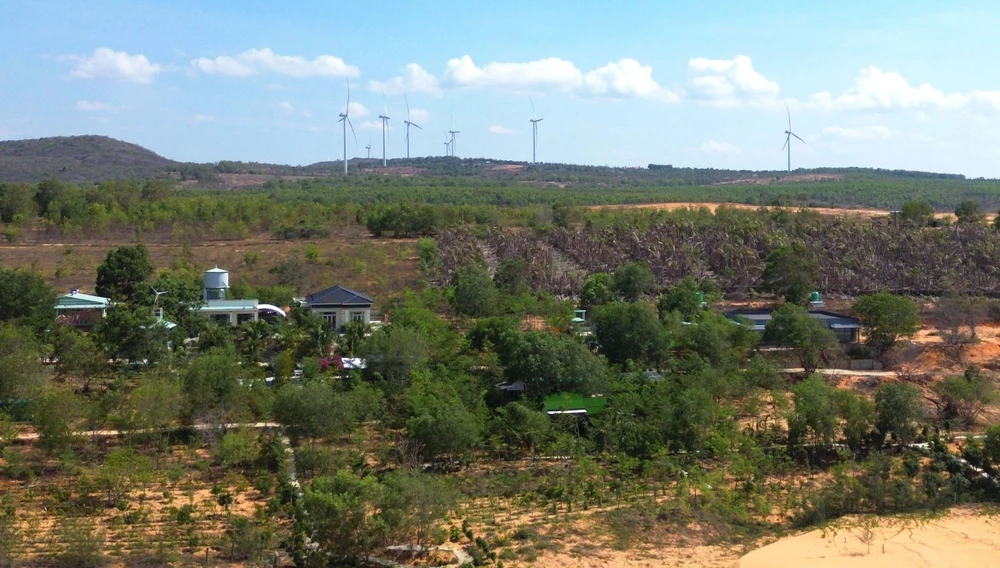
<point>379,267</point>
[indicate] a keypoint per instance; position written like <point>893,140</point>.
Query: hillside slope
<point>80,159</point>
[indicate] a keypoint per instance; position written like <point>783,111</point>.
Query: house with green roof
<point>80,310</point>
<point>574,403</point>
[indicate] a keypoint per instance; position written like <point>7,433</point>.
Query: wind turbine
<point>534,131</point>
<point>158,294</point>
<point>384,117</point>
<point>447,143</point>
<point>788,137</point>
<point>368,148</point>
<point>453,132</point>
<point>345,118</point>
<point>408,124</point>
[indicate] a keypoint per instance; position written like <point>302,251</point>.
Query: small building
<point>339,305</point>
<point>574,403</point>
<point>80,310</point>
<point>220,309</point>
<point>846,328</point>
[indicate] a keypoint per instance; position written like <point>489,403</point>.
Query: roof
<point>217,270</point>
<point>338,296</point>
<point>229,306</point>
<point>759,318</point>
<point>271,308</point>
<point>78,301</point>
<point>574,403</point>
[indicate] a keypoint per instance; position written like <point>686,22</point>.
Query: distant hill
<point>80,159</point>
<point>99,158</point>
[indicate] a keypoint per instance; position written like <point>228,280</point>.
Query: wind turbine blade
<point>789,112</point>
<point>351,124</point>
<point>417,125</point>
<point>797,136</point>
<point>532,107</point>
<point>347,109</point>
<point>407,106</point>
<point>785,144</point>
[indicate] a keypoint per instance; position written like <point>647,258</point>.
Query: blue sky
<point>887,84</point>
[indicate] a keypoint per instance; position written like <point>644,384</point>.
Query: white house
<point>339,305</point>
<point>217,307</point>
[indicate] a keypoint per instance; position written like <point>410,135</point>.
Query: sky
<point>889,84</point>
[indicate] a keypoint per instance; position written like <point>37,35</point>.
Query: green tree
<point>131,333</point>
<point>353,336</point>
<point>180,297</point>
<point>633,281</point>
<point>512,277</point>
<point>521,427</point>
<point>812,415</point>
<point>438,419</point>
<point>897,412</point>
<point>549,363</point>
<point>916,212</point>
<point>16,202</point>
<point>413,502</point>
<point>124,275</point>
<point>57,413</point>
<point>628,331</point>
<point>885,318</point>
<point>392,353</point>
<point>858,415</point>
<point>474,293</point>
<point>120,472</point>
<point>21,371</point>
<point>597,290</point>
<point>26,297</point>
<point>344,514</point>
<point>211,384</point>
<point>792,326</point>
<point>991,445</point>
<point>969,212</point>
<point>155,403</point>
<point>683,298</point>
<point>313,410</point>
<point>48,191</point>
<point>966,396</point>
<point>791,271</point>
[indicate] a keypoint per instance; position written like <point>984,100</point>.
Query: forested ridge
<point>96,159</point>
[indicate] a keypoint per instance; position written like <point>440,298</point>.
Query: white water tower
<point>216,284</point>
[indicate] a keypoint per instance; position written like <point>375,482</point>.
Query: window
<point>221,319</point>
<point>331,319</point>
<point>357,316</point>
<point>242,318</point>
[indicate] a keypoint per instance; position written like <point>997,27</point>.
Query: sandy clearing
<point>965,537</point>
<point>712,206</point>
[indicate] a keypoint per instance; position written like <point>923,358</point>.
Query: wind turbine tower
<point>408,124</point>
<point>345,118</point>
<point>369,149</point>
<point>453,132</point>
<point>384,117</point>
<point>788,138</point>
<point>534,131</point>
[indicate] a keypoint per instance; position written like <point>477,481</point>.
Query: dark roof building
<point>339,296</point>
<point>845,327</point>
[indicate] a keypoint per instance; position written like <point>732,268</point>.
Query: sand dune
<point>964,538</point>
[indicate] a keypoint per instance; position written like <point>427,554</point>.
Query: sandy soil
<point>965,537</point>
<point>712,206</point>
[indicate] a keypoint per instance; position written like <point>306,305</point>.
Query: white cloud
<point>877,89</point>
<point>286,106</point>
<point>374,125</point>
<point>203,118</point>
<point>358,110</point>
<point>105,63</point>
<point>731,83</point>
<point>714,147</point>
<point>415,79</point>
<point>501,130</point>
<point>420,116</point>
<point>94,106</point>
<point>625,78</point>
<point>860,133</point>
<point>254,61</point>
